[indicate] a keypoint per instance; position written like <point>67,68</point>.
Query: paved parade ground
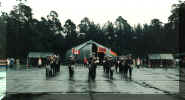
<point>151,81</point>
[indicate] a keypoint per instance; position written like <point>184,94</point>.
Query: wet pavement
<point>145,81</point>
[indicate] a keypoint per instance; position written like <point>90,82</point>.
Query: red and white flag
<point>75,51</point>
<point>101,49</point>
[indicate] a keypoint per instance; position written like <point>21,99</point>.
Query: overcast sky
<point>100,11</point>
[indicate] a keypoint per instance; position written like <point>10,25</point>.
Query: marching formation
<point>122,65</point>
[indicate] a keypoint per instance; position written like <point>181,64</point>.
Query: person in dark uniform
<point>107,65</point>
<point>94,66</point>
<point>58,63</point>
<point>52,64</point>
<point>71,71</point>
<point>71,68</point>
<point>112,68</point>
<point>90,69</point>
<point>104,65</point>
<point>120,65</point>
<point>126,67</point>
<point>121,68</point>
<point>130,62</point>
<point>55,65</point>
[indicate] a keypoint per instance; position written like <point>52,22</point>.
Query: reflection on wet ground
<point>144,81</point>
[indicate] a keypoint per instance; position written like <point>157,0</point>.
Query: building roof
<point>160,56</point>
<point>86,43</point>
<point>39,54</point>
<point>86,50</point>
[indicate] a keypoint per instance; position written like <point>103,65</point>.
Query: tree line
<point>25,33</point>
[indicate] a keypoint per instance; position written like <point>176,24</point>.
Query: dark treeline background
<point>25,33</point>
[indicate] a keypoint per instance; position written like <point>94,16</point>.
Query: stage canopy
<point>86,49</point>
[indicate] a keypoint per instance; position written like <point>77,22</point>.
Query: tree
<point>84,25</point>
<point>70,28</point>
<point>25,33</point>
<point>174,17</point>
<point>138,29</point>
<point>93,32</point>
<point>177,19</point>
<point>123,31</point>
<point>54,22</point>
<point>3,33</point>
<point>21,12</point>
<point>18,25</point>
<point>71,37</point>
<point>122,25</point>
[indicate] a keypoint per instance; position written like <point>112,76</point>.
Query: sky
<point>99,11</point>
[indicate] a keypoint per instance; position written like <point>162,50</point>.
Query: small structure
<point>160,60</point>
<point>33,57</point>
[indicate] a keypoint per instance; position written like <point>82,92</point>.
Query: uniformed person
<point>71,68</point>
<point>48,67</point>
<point>111,68</point>
<point>126,67</point>
<point>104,65</point>
<point>52,65</point>
<point>121,68</point>
<point>108,65</point>
<point>58,63</point>
<point>55,64</point>
<point>130,66</point>
<point>90,68</point>
<point>94,66</point>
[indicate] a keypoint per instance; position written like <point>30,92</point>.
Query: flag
<point>100,49</point>
<point>75,51</point>
<point>113,53</point>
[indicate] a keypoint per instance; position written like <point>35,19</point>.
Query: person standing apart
<point>90,69</point>
<point>71,68</point>
<point>71,71</point>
